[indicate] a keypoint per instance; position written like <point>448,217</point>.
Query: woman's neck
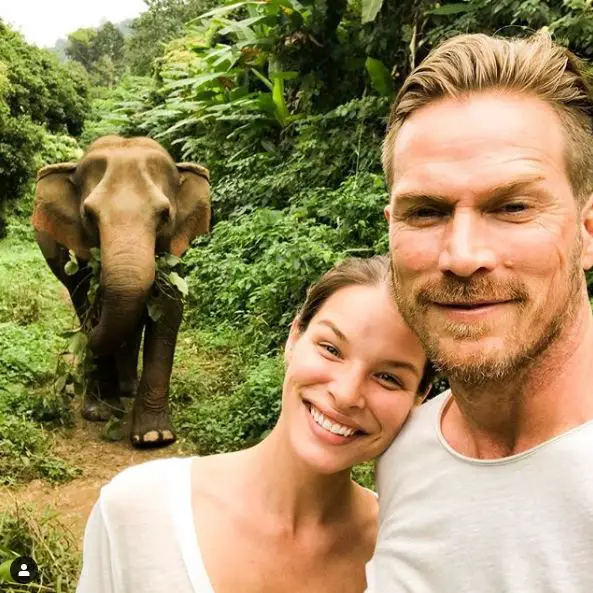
<point>294,493</point>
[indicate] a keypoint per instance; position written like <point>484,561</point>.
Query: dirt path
<point>99,460</point>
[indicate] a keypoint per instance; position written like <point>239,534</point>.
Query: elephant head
<point>128,197</point>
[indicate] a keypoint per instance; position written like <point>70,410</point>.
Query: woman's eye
<point>389,379</point>
<point>331,349</point>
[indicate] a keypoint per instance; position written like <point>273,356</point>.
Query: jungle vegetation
<point>285,101</point>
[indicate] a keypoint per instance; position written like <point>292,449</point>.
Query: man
<point>489,162</point>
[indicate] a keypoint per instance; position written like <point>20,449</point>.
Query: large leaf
<point>380,77</point>
<point>370,10</point>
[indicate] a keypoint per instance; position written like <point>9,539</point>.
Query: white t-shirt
<point>451,524</point>
<point>140,536</point>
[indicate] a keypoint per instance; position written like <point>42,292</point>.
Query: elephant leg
<point>151,426</point>
<point>126,359</point>
<point>102,399</point>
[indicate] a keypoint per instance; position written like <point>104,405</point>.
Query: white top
<point>144,543</point>
<point>452,524</point>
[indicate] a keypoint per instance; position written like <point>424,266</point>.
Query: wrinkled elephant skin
<point>128,198</point>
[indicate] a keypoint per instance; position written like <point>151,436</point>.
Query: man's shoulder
<point>422,423</point>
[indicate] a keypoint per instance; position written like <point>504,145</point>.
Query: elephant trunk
<point>127,275</point>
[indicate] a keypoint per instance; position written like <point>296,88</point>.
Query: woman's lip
<point>331,416</point>
<point>327,436</point>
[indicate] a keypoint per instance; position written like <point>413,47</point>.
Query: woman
<point>283,516</point>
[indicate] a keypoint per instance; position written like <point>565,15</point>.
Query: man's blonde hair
<point>536,65</point>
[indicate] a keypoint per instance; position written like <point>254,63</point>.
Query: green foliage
<point>36,94</point>
<point>163,21</point>
<point>31,315</point>
<point>239,416</point>
<point>45,538</point>
<point>100,51</point>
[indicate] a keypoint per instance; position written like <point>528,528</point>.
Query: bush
<point>45,538</point>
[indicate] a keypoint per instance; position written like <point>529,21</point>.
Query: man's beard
<point>518,352</point>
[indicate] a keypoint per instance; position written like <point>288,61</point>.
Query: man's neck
<point>550,397</point>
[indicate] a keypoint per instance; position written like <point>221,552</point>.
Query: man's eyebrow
<point>498,192</point>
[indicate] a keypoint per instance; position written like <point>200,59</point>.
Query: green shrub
<point>45,538</point>
<point>234,419</point>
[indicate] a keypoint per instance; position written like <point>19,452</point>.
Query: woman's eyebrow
<point>402,364</point>
<point>334,329</point>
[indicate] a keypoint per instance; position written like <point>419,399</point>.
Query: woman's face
<point>351,379</point>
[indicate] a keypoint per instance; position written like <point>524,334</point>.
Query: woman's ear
<point>421,397</point>
<point>193,206</point>
<point>293,336</point>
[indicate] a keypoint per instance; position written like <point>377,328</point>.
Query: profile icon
<point>23,570</point>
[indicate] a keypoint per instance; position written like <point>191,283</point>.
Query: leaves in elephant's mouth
<point>73,365</point>
<point>168,283</point>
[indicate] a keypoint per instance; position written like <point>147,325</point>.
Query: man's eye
<point>513,208</point>
<point>424,214</point>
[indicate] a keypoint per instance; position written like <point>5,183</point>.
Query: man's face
<point>484,232</point>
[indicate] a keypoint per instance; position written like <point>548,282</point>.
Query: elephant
<point>127,197</point>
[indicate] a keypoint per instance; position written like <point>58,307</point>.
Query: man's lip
<point>335,417</point>
<point>470,305</point>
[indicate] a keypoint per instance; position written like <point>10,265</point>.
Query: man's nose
<point>466,250</point>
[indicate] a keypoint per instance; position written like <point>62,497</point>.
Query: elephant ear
<point>56,211</point>
<point>193,206</point>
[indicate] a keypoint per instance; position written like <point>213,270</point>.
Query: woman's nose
<point>347,390</point>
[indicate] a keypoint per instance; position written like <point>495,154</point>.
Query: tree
<point>164,20</point>
<point>100,51</point>
<point>36,92</point>
<point>81,47</point>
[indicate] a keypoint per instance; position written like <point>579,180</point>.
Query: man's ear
<point>587,234</point>
<point>387,213</point>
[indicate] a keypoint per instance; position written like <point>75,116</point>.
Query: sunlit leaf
<point>370,10</point>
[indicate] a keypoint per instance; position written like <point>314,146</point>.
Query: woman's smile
<point>330,430</point>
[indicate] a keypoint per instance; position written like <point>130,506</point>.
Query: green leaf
<point>449,9</point>
<point>172,260</point>
<point>5,576</point>
<point>78,344</point>
<point>178,282</point>
<point>113,429</point>
<point>71,268</point>
<point>282,113</point>
<point>380,77</point>
<point>370,10</point>
<point>155,309</point>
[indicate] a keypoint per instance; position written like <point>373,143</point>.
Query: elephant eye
<point>165,215</point>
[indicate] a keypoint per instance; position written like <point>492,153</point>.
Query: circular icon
<point>23,570</point>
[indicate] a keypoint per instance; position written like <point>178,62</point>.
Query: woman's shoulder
<point>143,484</point>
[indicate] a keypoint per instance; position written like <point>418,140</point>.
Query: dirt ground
<point>99,460</point>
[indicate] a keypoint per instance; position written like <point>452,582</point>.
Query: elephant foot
<point>98,410</point>
<point>151,429</point>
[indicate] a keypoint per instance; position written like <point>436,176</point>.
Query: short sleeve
<point>97,568</point>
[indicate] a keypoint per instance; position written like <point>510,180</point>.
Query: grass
<point>32,315</point>
<point>43,537</point>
